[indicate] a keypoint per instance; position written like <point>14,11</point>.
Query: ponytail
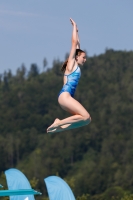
<point>63,68</point>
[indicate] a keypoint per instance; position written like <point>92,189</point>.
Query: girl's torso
<point>71,81</point>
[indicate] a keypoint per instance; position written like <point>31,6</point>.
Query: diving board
<point>18,192</point>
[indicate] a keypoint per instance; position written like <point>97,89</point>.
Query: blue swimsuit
<point>72,82</point>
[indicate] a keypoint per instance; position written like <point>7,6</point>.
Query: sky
<point>31,30</point>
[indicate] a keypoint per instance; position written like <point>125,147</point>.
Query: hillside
<point>93,159</point>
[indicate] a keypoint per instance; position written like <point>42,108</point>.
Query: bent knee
<point>87,118</point>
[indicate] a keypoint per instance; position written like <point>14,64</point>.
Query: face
<point>81,59</point>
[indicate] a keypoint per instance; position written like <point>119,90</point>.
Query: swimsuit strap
<point>71,73</point>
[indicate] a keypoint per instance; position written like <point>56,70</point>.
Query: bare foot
<point>59,129</point>
<point>54,130</point>
<point>54,125</point>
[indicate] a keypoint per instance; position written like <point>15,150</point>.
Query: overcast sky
<point>31,30</point>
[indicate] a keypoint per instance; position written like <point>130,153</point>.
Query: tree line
<point>96,160</point>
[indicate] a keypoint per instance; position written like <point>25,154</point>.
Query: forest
<point>96,160</point>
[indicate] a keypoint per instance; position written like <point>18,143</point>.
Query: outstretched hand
<point>73,23</point>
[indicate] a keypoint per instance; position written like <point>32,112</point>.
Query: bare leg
<point>67,127</point>
<point>80,116</point>
<point>61,125</point>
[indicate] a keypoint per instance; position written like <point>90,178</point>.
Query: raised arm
<point>78,43</point>
<point>71,59</point>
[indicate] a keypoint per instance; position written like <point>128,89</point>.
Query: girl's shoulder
<point>73,69</point>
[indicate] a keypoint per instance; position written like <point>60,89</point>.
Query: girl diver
<point>71,68</point>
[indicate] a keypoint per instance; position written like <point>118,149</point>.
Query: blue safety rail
<point>19,192</point>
